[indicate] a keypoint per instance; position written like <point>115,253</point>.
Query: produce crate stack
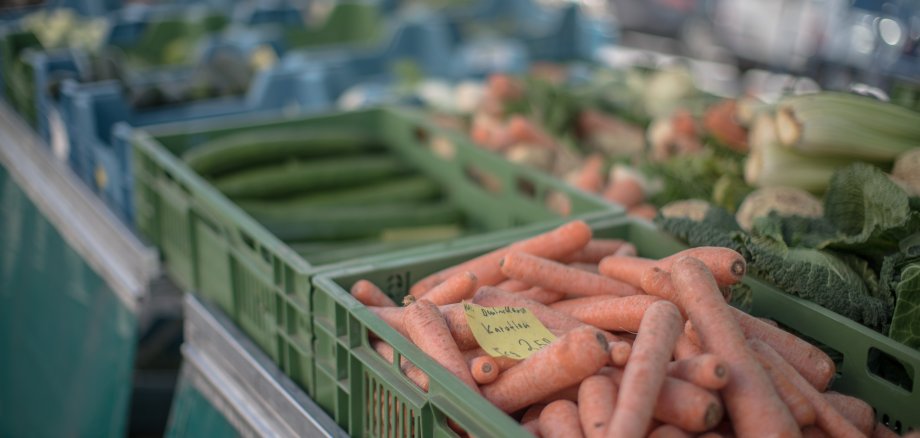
<point>253,249</point>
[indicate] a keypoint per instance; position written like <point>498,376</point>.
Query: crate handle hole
<point>248,240</point>
<point>420,134</point>
<point>526,187</point>
<point>886,367</point>
<point>443,148</point>
<point>485,180</point>
<point>266,255</point>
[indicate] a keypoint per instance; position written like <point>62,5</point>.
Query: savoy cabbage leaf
<point>905,324</point>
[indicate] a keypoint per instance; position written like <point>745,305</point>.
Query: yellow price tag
<point>513,332</point>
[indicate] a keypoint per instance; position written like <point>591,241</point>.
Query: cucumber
<point>294,177</point>
<point>353,222</point>
<point>263,146</point>
<point>414,188</point>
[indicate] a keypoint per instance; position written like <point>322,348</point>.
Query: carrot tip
<point>713,415</point>
<point>739,268</point>
<point>408,300</point>
<point>720,371</point>
<point>602,340</point>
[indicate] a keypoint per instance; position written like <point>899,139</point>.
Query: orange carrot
<point>555,276</point>
<point>622,314</point>
<point>705,370</point>
<point>726,265</point>
<point>721,123</point>
<point>626,269</point>
<point>457,288</point>
<point>392,316</point>
<point>769,321</point>
<point>752,402</point>
<point>484,369</point>
<point>541,295</point>
<point>523,130</point>
<point>596,399</point>
<point>644,374</point>
<point>681,403</point>
<point>565,362</point>
<point>533,426</point>
<point>595,251</point>
<point>813,432</point>
<point>505,87</point>
<point>503,362</point>
<point>587,267</point>
<point>559,419</point>
<point>813,364</point>
<point>411,371</point>
<point>569,393</point>
<point>801,409</point>
<point>590,177</point>
<point>428,330</point>
<point>669,431</point>
<point>643,211</point>
<point>554,244</point>
<point>627,192</point>
<point>513,286</point>
<point>827,418</point>
<point>619,353</point>
<point>369,294</point>
<point>853,409</point>
<point>686,349</point>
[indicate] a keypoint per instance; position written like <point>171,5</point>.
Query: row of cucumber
<point>330,194</point>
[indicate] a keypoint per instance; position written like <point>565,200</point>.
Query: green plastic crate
<point>350,369</point>
<point>213,248</point>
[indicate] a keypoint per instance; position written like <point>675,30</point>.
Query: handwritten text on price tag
<point>513,332</point>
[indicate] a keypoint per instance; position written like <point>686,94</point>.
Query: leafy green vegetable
<point>695,176</point>
<point>905,324</point>
<point>718,228</point>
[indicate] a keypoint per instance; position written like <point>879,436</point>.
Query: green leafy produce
<point>696,176</point>
<point>905,325</point>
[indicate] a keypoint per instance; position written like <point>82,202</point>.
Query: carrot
<point>827,418</point>
<point>484,369</point>
<point>619,353</point>
<point>429,331</point>
<point>569,393</point>
<point>453,314</point>
<point>596,399</point>
<point>503,362</point>
<point>595,251</point>
<point>554,320</point>
<point>505,87</point>
<point>645,372</point>
<point>669,431</point>
<point>813,364</point>
<point>726,265</point>
<point>681,403</point>
<point>369,294</point>
<point>455,289</point>
<point>721,123</point>
<point>411,371</point>
<point>705,370</point>
<point>685,348</point>
<point>799,406</point>
<point>523,130</point>
<point>608,312</point>
<point>587,267</point>
<point>565,362</point>
<point>626,269</point>
<point>554,244</point>
<point>559,419</point>
<point>541,295</point>
<point>643,211</point>
<point>882,431</point>
<point>590,176</point>
<point>555,276</point>
<point>513,286</point>
<point>533,426</point>
<point>853,409</point>
<point>392,316</point>
<point>769,321</point>
<point>752,403</point>
<point>627,192</point>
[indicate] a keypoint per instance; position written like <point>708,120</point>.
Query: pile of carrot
<point>644,347</point>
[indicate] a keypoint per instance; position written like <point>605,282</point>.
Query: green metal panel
<point>66,338</point>
<point>194,416</point>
